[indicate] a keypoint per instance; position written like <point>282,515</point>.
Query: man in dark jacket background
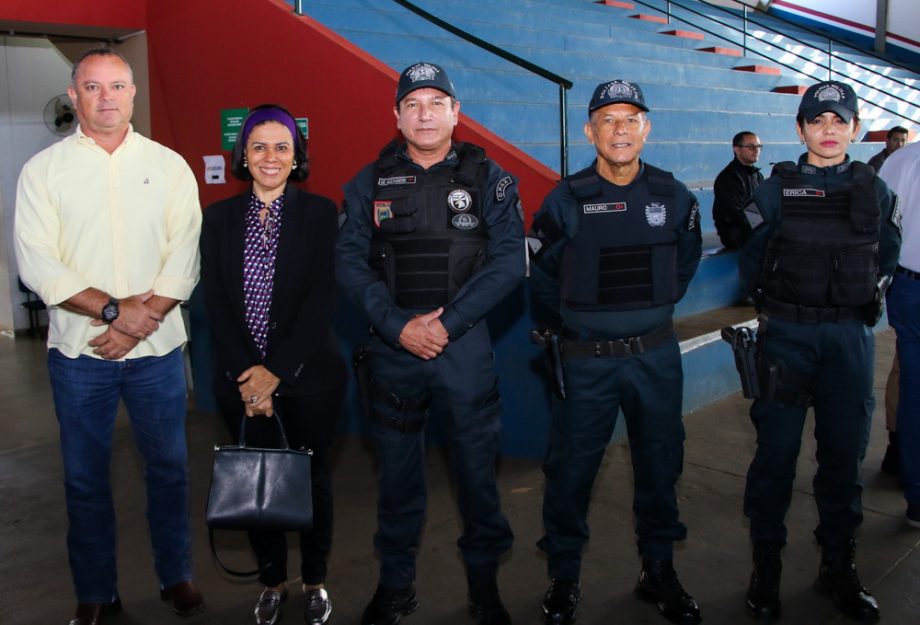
<point>733,187</point>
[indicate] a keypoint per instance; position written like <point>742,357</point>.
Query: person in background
<point>106,232</point>
<point>618,346</point>
<point>733,189</point>
<point>269,289</point>
<point>902,173</point>
<point>824,245</point>
<point>433,240</point>
<point>895,139</point>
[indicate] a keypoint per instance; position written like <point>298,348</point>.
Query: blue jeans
<point>86,394</point>
<point>904,317</point>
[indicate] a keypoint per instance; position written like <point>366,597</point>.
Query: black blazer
<point>302,349</point>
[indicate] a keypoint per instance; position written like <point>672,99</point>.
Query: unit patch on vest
<point>395,180</point>
<point>656,214</point>
<point>693,220</point>
<point>459,201</point>
<point>503,184</point>
<point>465,221</point>
<point>896,213</point>
<point>804,193</point>
<point>382,211</point>
<point>610,207</point>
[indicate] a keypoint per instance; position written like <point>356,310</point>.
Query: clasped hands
<point>136,320</point>
<point>256,387</point>
<point>425,335</point>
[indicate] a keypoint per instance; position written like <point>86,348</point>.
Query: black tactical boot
<point>658,584</point>
<point>389,605</point>
<point>838,578</point>
<point>485,604</point>
<point>560,603</point>
<point>763,593</point>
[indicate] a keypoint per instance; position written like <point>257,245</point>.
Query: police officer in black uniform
<point>825,242</point>
<point>613,247</point>
<point>432,240</point>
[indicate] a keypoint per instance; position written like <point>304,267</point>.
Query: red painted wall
<point>206,56</point>
<point>105,13</point>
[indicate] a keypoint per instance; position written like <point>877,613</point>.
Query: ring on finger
<point>253,399</point>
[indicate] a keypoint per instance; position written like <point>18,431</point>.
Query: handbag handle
<point>277,417</point>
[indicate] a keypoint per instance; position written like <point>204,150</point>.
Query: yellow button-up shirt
<point>123,223</point>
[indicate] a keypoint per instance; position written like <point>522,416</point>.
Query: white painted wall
<point>32,71</point>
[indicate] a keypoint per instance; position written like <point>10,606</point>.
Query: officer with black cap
<point>613,248</point>
<point>824,246</point>
<point>432,241</point>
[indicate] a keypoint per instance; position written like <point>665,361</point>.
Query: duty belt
<point>811,314</point>
<point>574,346</point>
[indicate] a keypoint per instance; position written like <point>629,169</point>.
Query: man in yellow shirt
<point>106,232</point>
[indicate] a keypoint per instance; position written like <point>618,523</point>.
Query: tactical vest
<point>825,250</point>
<point>429,235</point>
<point>624,254</point>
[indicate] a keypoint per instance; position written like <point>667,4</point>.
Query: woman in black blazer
<point>268,280</point>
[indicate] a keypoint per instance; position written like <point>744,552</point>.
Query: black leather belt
<point>575,346</point>
<point>811,314</point>
<point>904,271</point>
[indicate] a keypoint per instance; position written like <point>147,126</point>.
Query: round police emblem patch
<point>464,221</point>
<point>459,201</point>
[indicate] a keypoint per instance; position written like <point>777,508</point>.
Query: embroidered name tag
<point>395,180</point>
<point>803,193</point>
<point>612,207</point>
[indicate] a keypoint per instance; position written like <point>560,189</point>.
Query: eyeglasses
<point>751,146</point>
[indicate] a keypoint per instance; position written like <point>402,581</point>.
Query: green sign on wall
<point>231,123</point>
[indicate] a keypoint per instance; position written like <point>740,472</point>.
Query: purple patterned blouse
<point>259,253</point>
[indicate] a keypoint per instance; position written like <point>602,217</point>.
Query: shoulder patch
<point>502,187</point>
<point>693,220</point>
<point>896,212</point>
<point>752,214</point>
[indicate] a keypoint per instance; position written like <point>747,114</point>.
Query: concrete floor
<point>714,563</point>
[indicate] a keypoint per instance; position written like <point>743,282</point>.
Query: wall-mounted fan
<point>60,116</point>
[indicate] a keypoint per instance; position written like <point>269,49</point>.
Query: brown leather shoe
<point>92,613</point>
<point>185,596</point>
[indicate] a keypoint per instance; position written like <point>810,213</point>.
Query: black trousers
<point>310,422</point>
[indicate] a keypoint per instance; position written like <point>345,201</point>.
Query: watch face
<point>110,312</point>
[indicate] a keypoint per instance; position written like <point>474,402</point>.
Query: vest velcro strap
<point>574,345</point>
<point>810,314</point>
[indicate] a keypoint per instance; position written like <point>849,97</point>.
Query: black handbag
<point>259,489</point>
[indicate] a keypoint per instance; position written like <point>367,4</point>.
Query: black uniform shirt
<point>503,269</point>
<point>767,208</point>
<point>562,207</point>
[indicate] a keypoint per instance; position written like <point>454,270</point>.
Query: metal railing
<point>563,83</point>
<point>747,50</point>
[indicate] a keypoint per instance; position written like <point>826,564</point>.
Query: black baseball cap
<point>615,92</point>
<point>830,95</point>
<point>423,75</point>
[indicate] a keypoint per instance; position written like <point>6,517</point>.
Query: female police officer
<point>825,242</point>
